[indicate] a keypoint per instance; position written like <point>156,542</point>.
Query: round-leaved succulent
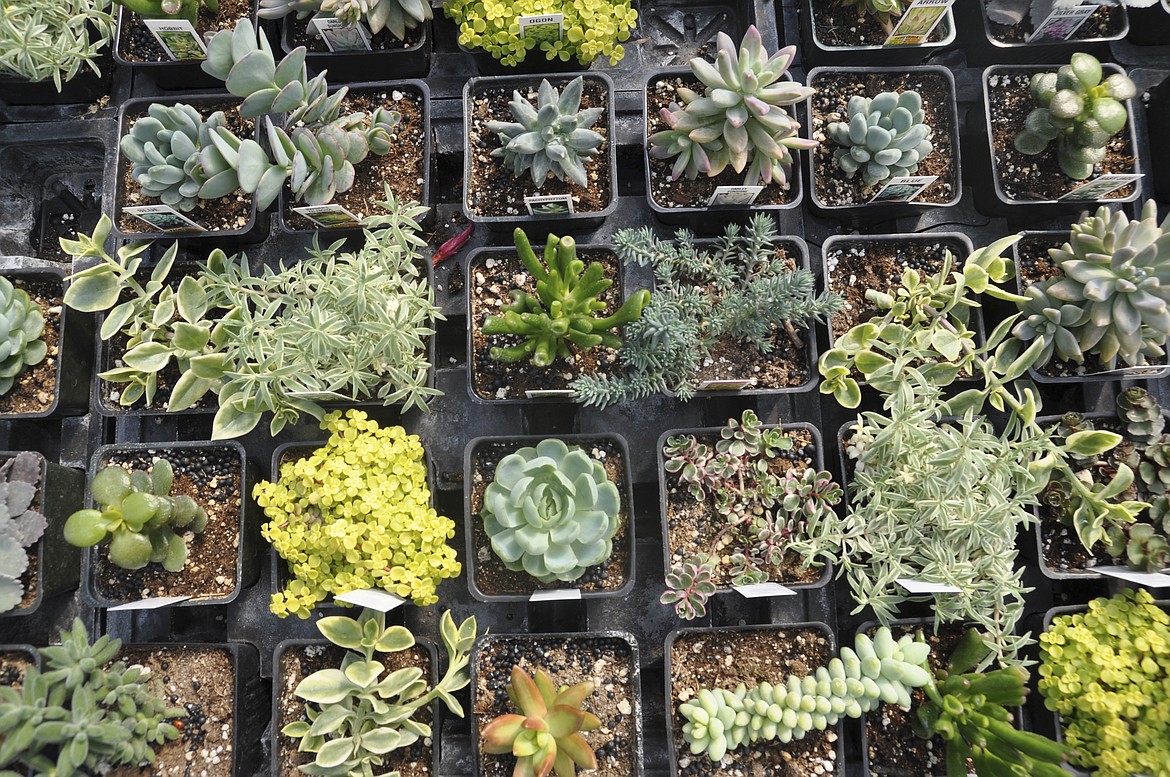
<point>884,137</point>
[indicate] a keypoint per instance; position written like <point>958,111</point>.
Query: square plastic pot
<point>85,87</point>
<point>982,48</point>
<point>534,62</point>
<point>412,61</point>
<point>171,75</point>
<point>818,52</point>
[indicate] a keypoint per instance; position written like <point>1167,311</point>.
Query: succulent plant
<point>1142,546</point>
<point>42,41</point>
<point>551,511</point>
<point>552,137</point>
<point>884,137</point>
<point>740,118</point>
<point>561,313</point>
<point>21,327</point>
<point>689,585</point>
<point>1079,110</point>
<point>1141,413</point>
<point>884,11</point>
<point>139,517</point>
<point>170,9</point>
<point>398,16</point>
<point>20,525</point>
<point>545,736</point>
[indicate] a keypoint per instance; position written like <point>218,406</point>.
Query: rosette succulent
<point>20,525</point>
<point>398,16</point>
<point>551,511</point>
<point>884,11</point>
<point>21,327</point>
<point>884,137</point>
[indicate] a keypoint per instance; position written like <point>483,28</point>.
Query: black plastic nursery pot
<point>863,41</point>
<point>986,42</point>
<point>1149,26</point>
<point>608,659</point>
<point>410,58</point>
<point>534,62</point>
<point>54,564</point>
<point>222,560</point>
<point>1158,122</point>
<point>488,186</point>
<point>724,657</point>
<point>487,577</point>
<point>85,87</point>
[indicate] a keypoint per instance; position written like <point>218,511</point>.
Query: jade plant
<point>885,136</point>
<point>546,734</point>
<point>360,711</point>
<point>561,316</point>
<point>355,514</point>
<point>739,121</point>
<point>1107,673</point>
<point>397,16</point>
<point>20,524</point>
<point>551,511</point>
<point>138,516</point>
<point>43,41</point>
<point>84,712</point>
<point>21,326</point>
<point>551,138</point>
<point>1078,108</point>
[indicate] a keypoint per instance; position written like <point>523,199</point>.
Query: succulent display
<point>884,11</point>
<point>554,136</point>
<point>551,511</point>
<point>43,41</point>
<point>885,136</point>
<point>545,736</point>
<point>397,16</point>
<point>740,120</point>
<point>20,524</point>
<point>21,327</point>
<point>138,516</point>
<point>1078,109</point>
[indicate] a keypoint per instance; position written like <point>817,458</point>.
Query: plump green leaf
<point>327,686</point>
<point>341,631</point>
<point>1091,442</point>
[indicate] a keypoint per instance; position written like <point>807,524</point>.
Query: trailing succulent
<point>1079,110</point>
<point>359,712</point>
<point>42,41</point>
<point>561,315</point>
<point>554,136</point>
<point>1110,297</point>
<point>21,326</point>
<point>884,137</point>
<point>739,121</point>
<point>551,511</point>
<point>398,16</point>
<point>82,714</point>
<point>138,517</point>
<point>20,524</point>
<point>545,736</point>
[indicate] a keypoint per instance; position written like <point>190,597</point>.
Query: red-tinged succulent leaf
<point>564,720</point>
<point>575,695</point>
<point>590,722</point>
<point>548,690</point>
<point>544,761</point>
<point>578,749</point>
<point>526,695</point>
<point>497,736</point>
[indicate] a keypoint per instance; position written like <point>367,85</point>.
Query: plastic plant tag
<point>556,595</point>
<point>549,204</point>
<point>1101,186</point>
<point>725,385</point>
<point>331,216</point>
<point>734,195</point>
<point>917,22</point>
<point>1063,22</point>
<point>338,35</point>
<point>762,590</point>
<point>1147,579</point>
<point>178,38</point>
<point>373,598</point>
<point>545,27</point>
<point>539,393</point>
<point>150,603</point>
<point>164,218</point>
<point>903,188</point>
<point>915,586</point>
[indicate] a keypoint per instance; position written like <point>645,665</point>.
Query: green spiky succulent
<point>552,137</point>
<point>1078,109</point>
<point>54,41</point>
<point>20,525</point>
<point>21,327</point>
<point>740,120</point>
<point>139,517</point>
<point>1116,273</point>
<point>883,11</point>
<point>398,16</point>
<point>884,137</point>
<point>551,511</point>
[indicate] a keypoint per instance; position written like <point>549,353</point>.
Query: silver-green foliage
<point>39,41</point>
<point>398,16</point>
<point>21,327</point>
<point>20,525</point>
<point>554,136</point>
<point>885,136</point>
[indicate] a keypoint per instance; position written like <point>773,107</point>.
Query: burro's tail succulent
<point>20,525</point>
<point>551,511</point>
<point>21,327</point>
<point>884,137</point>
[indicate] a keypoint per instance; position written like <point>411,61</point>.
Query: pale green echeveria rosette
<point>551,511</point>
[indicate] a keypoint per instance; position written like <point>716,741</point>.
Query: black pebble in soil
<point>201,467</point>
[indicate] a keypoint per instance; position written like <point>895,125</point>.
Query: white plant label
<point>539,393</point>
<point>545,27</point>
<point>918,22</point>
<point>556,595</point>
<point>1147,579</point>
<point>549,204</point>
<point>763,590</point>
<point>164,218</point>
<point>734,195</point>
<point>150,603</point>
<point>922,587</point>
<point>904,188</point>
<point>382,601</point>
<point>178,37</point>
<point>331,216</point>
<point>724,385</point>
<point>338,35</point>
<point>1102,185</point>
<point>1063,22</point>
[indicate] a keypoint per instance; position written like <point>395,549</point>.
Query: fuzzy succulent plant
<point>398,16</point>
<point>884,137</point>
<point>740,120</point>
<point>20,524</point>
<point>551,511</point>
<point>21,327</point>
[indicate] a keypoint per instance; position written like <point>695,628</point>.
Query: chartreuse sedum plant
<point>138,516</point>
<point>20,524</point>
<point>886,136</point>
<point>885,12</point>
<point>562,315</point>
<point>81,714</point>
<point>1107,673</point>
<point>397,16</point>
<point>739,120</point>
<point>360,711</point>
<point>42,41</point>
<point>552,137</point>
<point>591,28</point>
<point>551,511</point>
<point>545,736</point>
<point>21,327</point>
<point>1080,110</point>
<point>354,514</point>
<point>1110,297</point>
